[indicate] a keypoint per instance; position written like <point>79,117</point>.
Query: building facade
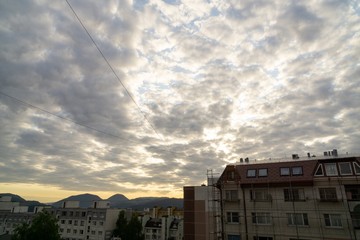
<point>298,198</point>
<point>95,223</point>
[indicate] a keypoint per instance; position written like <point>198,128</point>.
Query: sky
<point>142,97</point>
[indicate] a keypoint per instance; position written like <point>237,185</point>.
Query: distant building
<point>201,212</point>
<point>164,228</point>
<point>95,223</point>
<point>297,198</point>
<point>163,224</point>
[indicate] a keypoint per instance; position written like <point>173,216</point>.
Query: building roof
<point>297,171</point>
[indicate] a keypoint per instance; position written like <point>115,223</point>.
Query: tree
<point>43,227</point>
<point>131,230</point>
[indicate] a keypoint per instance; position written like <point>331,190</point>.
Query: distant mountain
<point>16,198</point>
<point>85,200</point>
<point>116,201</point>
<point>117,198</point>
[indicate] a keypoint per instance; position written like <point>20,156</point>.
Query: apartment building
<point>162,225</point>
<point>95,223</point>
<point>296,198</point>
<point>201,211</point>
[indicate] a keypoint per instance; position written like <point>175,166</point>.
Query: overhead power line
<point>112,69</point>
<point>61,117</point>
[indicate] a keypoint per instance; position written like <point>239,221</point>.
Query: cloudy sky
<point>179,87</point>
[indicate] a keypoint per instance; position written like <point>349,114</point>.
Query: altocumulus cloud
<point>217,80</point>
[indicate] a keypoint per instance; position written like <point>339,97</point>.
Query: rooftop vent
<point>295,156</point>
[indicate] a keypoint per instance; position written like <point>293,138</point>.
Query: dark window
<point>352,192</point>
<point>357,168</point>
<point>328,194</point>
<point>263,172</point>
<point>260,195</point>
<point>231,175</point>
<point>262,238</point>
<point>261,218</point>
<point>251,173</point>
<point>319,171</point>
<point>332,220</point>
<point>299,219</point>
<point>295,171</point>
<point>285,171</point>
<point>345,168</point>
<point>294,194</point>
<point>331,169</point>
<point>231,195</point>
<point>232,217</point>
<point>233,237</point>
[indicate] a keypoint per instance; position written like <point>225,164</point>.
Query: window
<point>231,175</point>
<point>101,223</point>
<point>68,230</point>
<point>75,231</point>
<point>328,194</point>
<point>93,232</point>
<point>294,194</point>
<point>284,171</point>
<point>357,168</point>
<point>262,238</point>
<point>352,192</point>
<point>331,169</point>
<point>332,220</point>
<point>345,168</point>
<point>231,195</point>
<point>232,217</point>
<point>62,221</point>
<point>251,173</point>
<point>263,172</point>
<point>70,221</point>
<point>295,171</point>
<point>100,232</point>
<point>260,195</point>
<point>83,214</point>
<point>319,171</point>
<point>299,219</point>
<point>81,231</point>
<point>261,218</point>
<point>233,237</point>
<point>75,222</point>
<point>82,223</point>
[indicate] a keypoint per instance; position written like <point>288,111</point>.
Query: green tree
<point>43,227</point>
<point>131,230</point>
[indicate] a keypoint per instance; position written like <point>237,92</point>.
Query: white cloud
<point>217,80</point>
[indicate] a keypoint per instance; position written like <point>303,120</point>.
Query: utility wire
<point>112,69</point>
<point>63,118</point>
<point>84,125</point>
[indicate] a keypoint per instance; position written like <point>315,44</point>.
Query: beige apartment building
<point>296,198</point>
<point>94,223</point>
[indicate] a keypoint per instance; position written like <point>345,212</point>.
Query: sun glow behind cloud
<point>216,79</point>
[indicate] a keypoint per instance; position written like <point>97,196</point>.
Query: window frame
<point>297,174</point>
<point>251,171</point>
<point>347,164</point>
<point>231,195</point>
<point>320,166</point>
<point>284,174</point>
<point>330,220</point>
<point>232,217</point>
<point>324,194</point>
<point>233,237</point>
<point>294,195</point>
<point>256,216</point>
<point>293,219</point>
<point>261,172</point>
<point>328,169</point>
<point>260,195</point>
<point>356,168</point>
